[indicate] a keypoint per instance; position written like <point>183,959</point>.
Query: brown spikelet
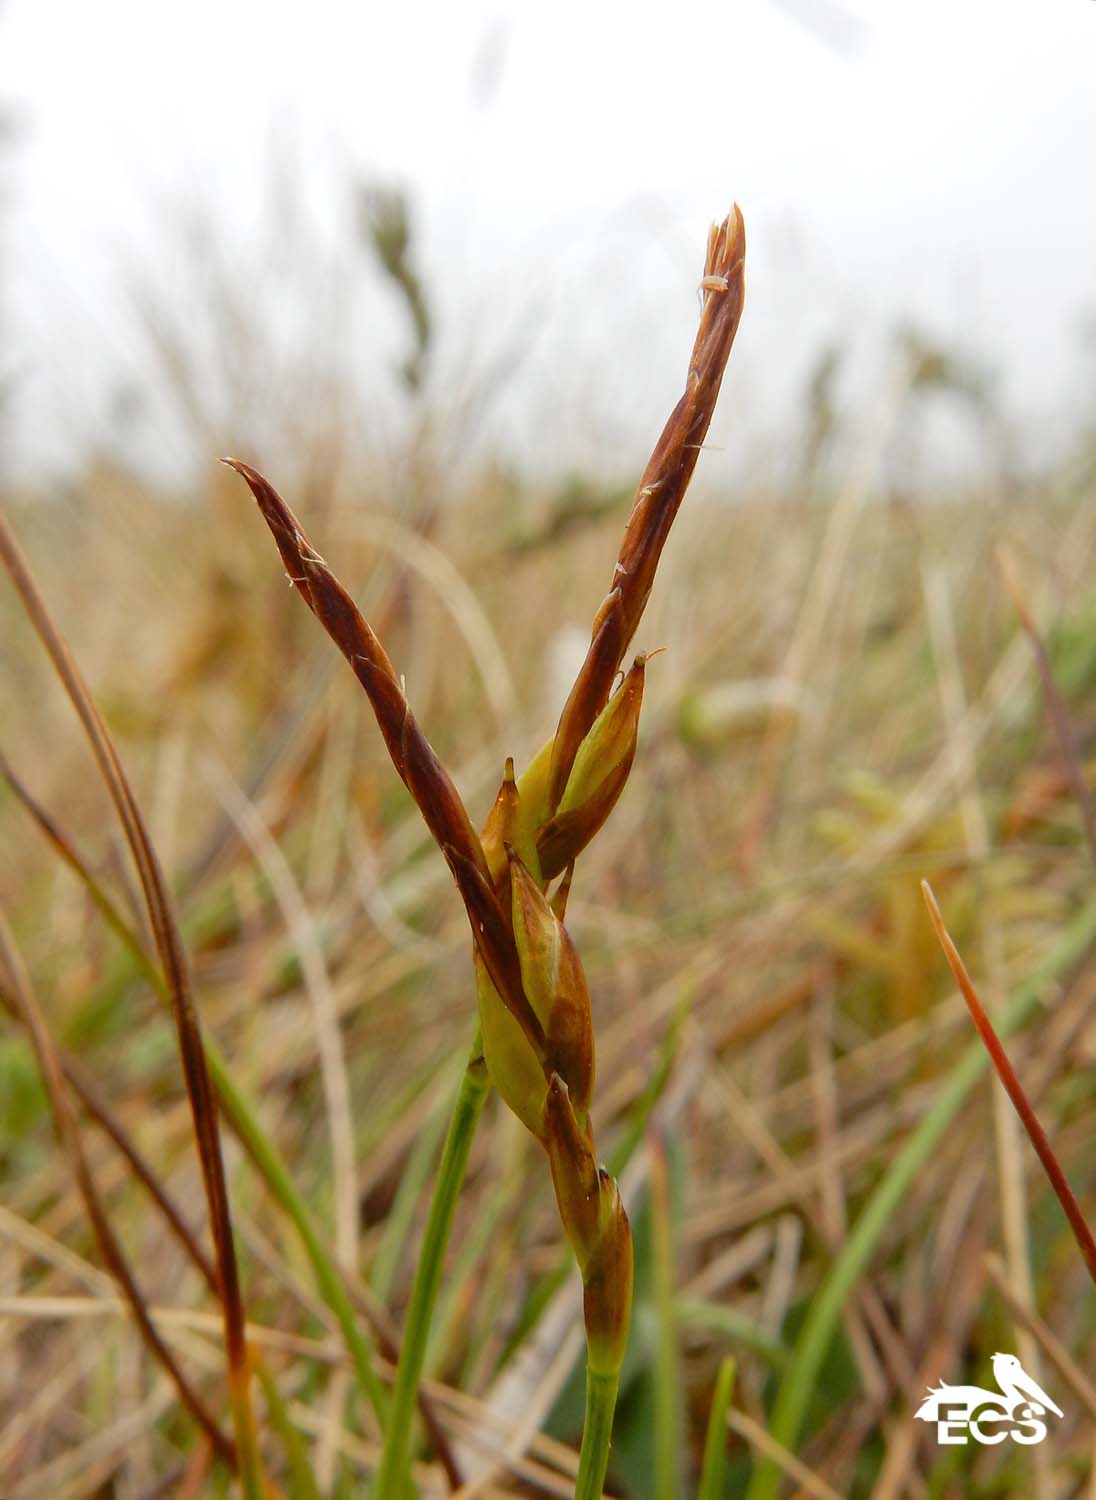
<point>594,1220</point>
<point>574,1172</point>
<point>412,755</point>
<point>505,825</point>
<point>659,496</point>
<point>411,752</point>
<point>555,984</point>
<point>598,775</point>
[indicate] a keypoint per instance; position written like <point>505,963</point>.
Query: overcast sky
<point>935,159</point>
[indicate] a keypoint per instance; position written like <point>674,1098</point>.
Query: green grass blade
<point>276,1174</point>
<point>713,1476</point>
<point>397,1225</point>
<point>715,1317</point>
<point>394,1476</point>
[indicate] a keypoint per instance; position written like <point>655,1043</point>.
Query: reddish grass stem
<point>1006,1073</point>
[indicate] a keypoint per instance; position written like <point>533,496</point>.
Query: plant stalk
<point>393,1477</point>
<point>597,1430</point>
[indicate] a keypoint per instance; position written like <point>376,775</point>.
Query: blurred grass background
<point>846,705</point>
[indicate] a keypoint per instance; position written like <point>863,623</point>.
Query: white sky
<point>566,158</point>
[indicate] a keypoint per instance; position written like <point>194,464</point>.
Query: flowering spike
<point>531,993</point>
<point>412,755</point>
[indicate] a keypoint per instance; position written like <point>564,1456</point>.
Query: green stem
<point>597,1430</point>
<point>393,1478</point>
<point>667,1381</point>
<point>801,1380</point>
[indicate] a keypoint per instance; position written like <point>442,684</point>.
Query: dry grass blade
<point>170,950</point>
<point>809,1482</point>
<point>1056,1352</point>
<point>660,493</point>
<point>1056,704</point>
<point>1007,1075</point>
<point>22,1000</point>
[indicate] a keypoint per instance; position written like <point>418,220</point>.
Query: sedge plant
<point>534,1040</point>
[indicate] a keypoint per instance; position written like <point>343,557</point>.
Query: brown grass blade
<point>20,997</point>
<point>660,493</point>
<point>170,950</point>
<point>1005,1072</point>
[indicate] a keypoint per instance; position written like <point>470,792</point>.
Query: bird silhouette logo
<point>1015,1410</point>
